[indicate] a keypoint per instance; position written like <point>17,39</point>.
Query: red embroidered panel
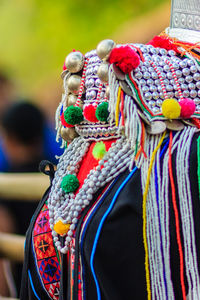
<point>47,259</point>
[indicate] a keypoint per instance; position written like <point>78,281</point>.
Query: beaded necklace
<point>66,207</point>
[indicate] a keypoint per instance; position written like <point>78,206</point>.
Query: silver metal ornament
<point>156,127</point>
<point>71,99</point>
<point>74,62</point>
<point>103,72</point>
<point>185,14</point>
<point>107,92</point>
<point>74,83</point>
<point>118,73</point>
<point>126,88</point>
<point>68,134</point>
<point>104,48</point>
<point>174,125</point>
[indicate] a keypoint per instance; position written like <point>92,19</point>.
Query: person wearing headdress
<point>121,218</point>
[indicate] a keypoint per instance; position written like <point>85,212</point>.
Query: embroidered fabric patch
<point>46,257</point>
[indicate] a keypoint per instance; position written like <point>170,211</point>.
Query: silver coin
<point>156,127</point>
<point>143,117</point>
<point>118,73</point>
<point>126,88</point>
<point>174,125</point>
<point>188,123</point>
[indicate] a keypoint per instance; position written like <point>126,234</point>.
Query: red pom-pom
<point>89,113</point>
<point>125,58</point>
<point>163,42</point>
<point>64,123</point>
<point>187,108</point>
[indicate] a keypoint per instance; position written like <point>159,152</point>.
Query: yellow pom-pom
<point>61,228</point>
<point>171,109</point>
<point>99,150</point>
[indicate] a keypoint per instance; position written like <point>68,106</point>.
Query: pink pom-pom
<point>89,113</point>
<point>64,123</point>
<point>187,108</point>
<point>64,67</point>
<point>125,58</point>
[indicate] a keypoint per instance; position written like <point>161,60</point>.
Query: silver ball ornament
<point>104,48</point>
<point>68,134</point>
<point>71,99</point>
<point>102,72</point>
<point>74,62</point>
<point>74,83</point>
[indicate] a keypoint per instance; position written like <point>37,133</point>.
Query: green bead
<point>102,112</point>
<point>69,183</point>
<point>73,115</point>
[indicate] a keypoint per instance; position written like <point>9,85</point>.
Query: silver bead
<point>74,62</point>
<point>193,93</point>
<point>138,75</point>
<point>155,95</point>
<point>169,75</point>
<point>154,75</point>
<point>148,96</point>
<point>163,52</point>
<point>169,88</point>
<point>178,73</point>
<point>146,75</point>
<point>153,88</point>
<point>183,64</point>
<point>150,82</point>
<point>171,52</point>
<point>189,78</point>
<point>145,89</point>
<point>197,101</point>
<point>181,80</point>
<point>186,71</point>
<point>193,69</point>
<point>104,48</point>
<point>198,84</point>
<point>89,83</point>
<point>184,86</point>
<point>186,93</point>
<point>192,86</point>
<point>196,76</point>
<point>74,83</point>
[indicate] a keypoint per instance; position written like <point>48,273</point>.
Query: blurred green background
<point>36,35</point>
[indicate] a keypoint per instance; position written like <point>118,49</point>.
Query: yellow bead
<point>171,109</point>
<point>61,228</point>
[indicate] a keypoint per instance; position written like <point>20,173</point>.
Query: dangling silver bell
<point>103,72</point>
<point>104,48</point>
<point>74,83</point>
<point>74,62</point>
<point>68,134</point>
<point>71,99</point>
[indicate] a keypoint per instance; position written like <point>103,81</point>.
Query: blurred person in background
<point>23,140</point>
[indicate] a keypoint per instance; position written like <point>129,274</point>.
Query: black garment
<point>119,257</point>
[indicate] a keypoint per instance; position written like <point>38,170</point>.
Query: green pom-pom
<point>102,112</point>
<point>73,115</point>
<point>69,183</point>
<point>99,150</point>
